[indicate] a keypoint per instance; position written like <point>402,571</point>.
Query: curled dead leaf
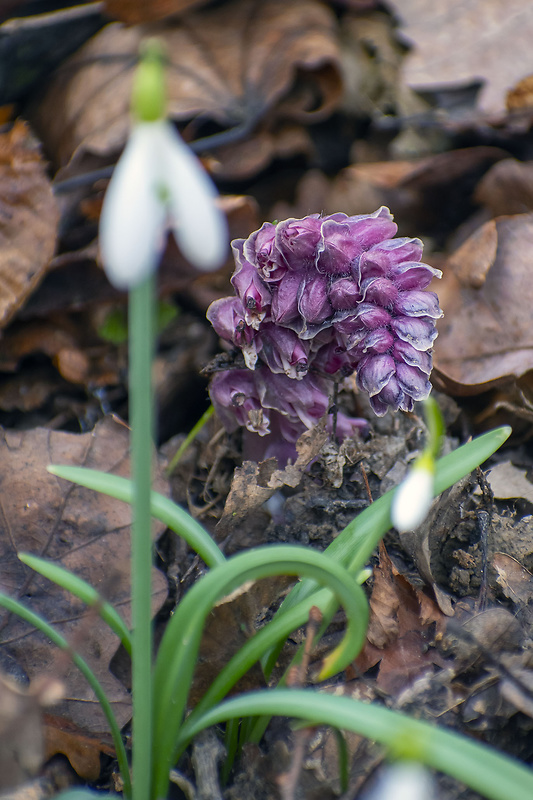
<point>28,219</point>
<point>486,335</point>
<point>401,625</point>
<point>515,580</point>
<point>82,750</point>
<point>447,46</point>
<point>137,11</point>
<point>238,65</point>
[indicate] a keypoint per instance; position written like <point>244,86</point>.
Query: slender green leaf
<point>483,769</point>
<point>16,607</point>
<point>181,640</point>
<point>191,436</point>
<point>435,425</point>
<point>356,543</point>
<point>83,590</point>
<point>344,762</point>
<point>162,508</point>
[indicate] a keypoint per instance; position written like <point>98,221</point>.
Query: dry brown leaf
<point>87,533</point>
<point>516,581</point>
<point>507,481</point>
<point>415,190</point>
<point>507,188</point>
<point>397,635</point>
<point>136,11</point>
<point>458,42</point>
<point>236,64</point>
<point>521,96</point>
<point>83,751</point>
<point>486,333</point>
<point>28,219</point>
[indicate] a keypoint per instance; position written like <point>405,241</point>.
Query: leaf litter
<point>324,122</point>
<point>85,532</point>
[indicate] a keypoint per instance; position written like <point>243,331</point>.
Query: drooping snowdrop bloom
<point>413,497</point>
<point>405,780</point>
<point>158,184</point>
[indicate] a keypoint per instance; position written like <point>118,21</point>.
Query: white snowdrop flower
<point>405,780</point>
<point>158,183</point>
<point>413,497</point>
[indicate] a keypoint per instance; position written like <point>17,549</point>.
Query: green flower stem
<point>141,336</point>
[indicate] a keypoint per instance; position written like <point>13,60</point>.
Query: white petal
<point>404,781</point>
<point>198,224</point>
<point>133,214</point>
<point>412,499</point>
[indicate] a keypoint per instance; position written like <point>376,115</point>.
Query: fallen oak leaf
<point>402,619</point>
<point>28,219</point>
<point>137,11</point>
<point>82,750</point>
<point>485,336</point>
<point>87,533</point>
<point>458,42</point>
<point>234,64</point>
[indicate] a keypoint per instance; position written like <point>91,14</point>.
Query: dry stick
<point>484,522</point>
<point>288,781</point>
<point>367,485</point>
<point>335,411</point>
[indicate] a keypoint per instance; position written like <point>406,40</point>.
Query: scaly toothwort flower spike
<point>324,296</point>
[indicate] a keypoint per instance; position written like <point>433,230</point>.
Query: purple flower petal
<point>344,294</point>
<point>313,304</point>
<point>413,381</point>
<point>259,249</point>
<point>372,316</point>
<point>252,290</point>
<point>380,340</point>
<point>381,259</point>
<point>380,291</point>
<point>227,318</point>
<point>283,351</point>
<point>345,241</point>
<point>403,351</point>
<point>284,308</point>
<point>413,275</point>
<point>374,372</point>
<point>418,304</point>
<point>418,331</point>
<point>299,241</point>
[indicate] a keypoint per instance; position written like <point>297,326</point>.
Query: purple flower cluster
<point>319,297</point>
